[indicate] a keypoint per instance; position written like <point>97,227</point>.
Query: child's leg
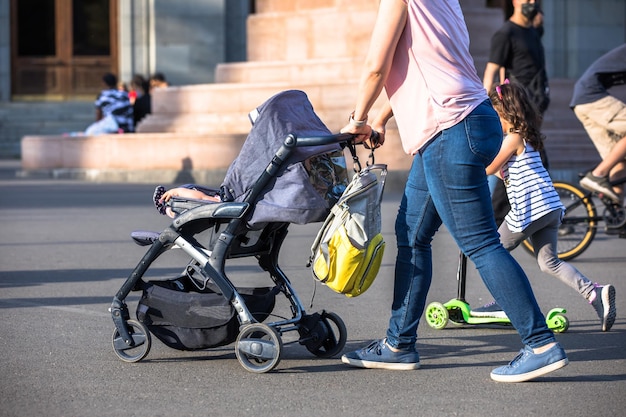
<point>511,240</point>
<point>544,241</point>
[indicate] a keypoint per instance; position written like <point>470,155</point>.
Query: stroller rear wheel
<point>328,336</point>
<point>140,346</point>
<point>258,347</point>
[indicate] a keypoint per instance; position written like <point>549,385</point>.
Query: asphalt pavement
<point>66,250</point>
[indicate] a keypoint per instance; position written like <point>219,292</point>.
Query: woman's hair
<point>513,104</point>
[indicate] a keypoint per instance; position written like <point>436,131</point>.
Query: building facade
<point>59,49</point>
<point>56,51</point>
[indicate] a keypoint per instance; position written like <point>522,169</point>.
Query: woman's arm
<point>380,122</point>
<point>390,23</point>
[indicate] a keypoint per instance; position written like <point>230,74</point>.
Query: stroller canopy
<point>291,196</point>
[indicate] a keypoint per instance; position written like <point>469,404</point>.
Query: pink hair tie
<point>498,90</point>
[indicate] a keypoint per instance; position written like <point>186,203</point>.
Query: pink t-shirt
<point>433,83</point>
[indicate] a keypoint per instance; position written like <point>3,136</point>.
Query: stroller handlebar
<point>327,139</point>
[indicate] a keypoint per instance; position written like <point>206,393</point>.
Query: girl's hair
<point>513,104</point>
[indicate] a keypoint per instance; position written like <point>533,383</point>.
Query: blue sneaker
<point>528,365</point>
<point>377,355</point>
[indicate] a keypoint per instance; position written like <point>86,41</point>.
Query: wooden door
<point>61,48</point>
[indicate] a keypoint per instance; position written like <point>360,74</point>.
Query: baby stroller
<point>266,188</point>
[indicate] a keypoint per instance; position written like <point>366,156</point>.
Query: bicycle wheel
<point>579,224</point>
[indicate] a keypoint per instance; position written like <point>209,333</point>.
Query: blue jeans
<point>447,183</point>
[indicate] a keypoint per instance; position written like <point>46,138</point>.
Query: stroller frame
<point>258,346</point>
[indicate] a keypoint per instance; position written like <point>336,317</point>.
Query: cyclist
<point>604,119</point>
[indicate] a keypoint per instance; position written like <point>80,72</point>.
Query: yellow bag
<point>348,250</point>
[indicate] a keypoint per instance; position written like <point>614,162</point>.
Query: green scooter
<point>459,312</point>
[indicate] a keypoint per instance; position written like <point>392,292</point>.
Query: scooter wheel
<point>437,315</point>
<point>559,323</point>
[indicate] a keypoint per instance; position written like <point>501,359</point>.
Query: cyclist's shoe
<point>600,185</point>
<point>492,309</point>
<point>603,300</point>
<point>528,365</point>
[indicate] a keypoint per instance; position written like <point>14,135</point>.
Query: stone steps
<point>18,119</point>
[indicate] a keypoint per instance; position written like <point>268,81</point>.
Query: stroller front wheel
<point>258,347</point>
<point>141,342</point>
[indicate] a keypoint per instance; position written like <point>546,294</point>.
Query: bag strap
<point>356,164</point>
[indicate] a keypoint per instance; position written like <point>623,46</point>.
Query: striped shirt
<point>529,188</point>
<point>116,103</point>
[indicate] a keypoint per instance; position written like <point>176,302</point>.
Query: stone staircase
<point>18,119</point>
<point>316,46</point>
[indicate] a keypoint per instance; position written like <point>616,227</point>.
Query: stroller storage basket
<point>185,318</point>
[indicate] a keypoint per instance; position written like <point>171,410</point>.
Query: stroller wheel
<point>328,337</point>
<point>141,342</point>
<point>258,347</point>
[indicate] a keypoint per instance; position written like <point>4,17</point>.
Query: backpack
<point>348,250</point>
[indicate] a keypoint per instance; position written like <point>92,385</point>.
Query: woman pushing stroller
<point>419,53</point>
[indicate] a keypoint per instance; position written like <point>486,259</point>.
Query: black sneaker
<point>600,185</point>
<point>604,303</point>
<point>489,310</point>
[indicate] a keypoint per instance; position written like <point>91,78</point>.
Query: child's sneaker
<point>528,365</point>
<point>600,185</point>
<point>377,355</point>
<point>492,309</point>
<point>603,300</point>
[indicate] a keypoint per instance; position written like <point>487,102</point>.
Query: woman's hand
<point>363,132</point>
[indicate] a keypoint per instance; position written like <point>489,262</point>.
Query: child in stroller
<point>266,188</point>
